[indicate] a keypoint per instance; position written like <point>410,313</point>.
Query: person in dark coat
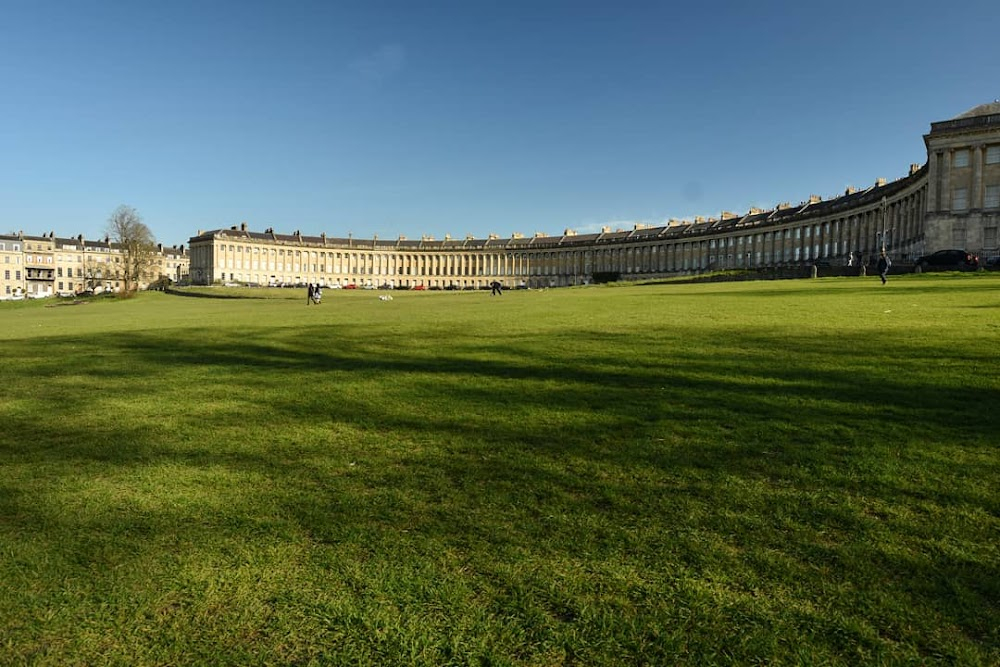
<point>497,289</point>
<point>883,266</point>
<point>310,297</point>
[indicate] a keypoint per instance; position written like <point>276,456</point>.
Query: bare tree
<point>136,242</point>
<point>92,272</point>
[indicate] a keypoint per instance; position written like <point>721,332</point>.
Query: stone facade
<point>963,157</point>
<point>11,267</point>
<point>43,266</point>
<point>952,201</point>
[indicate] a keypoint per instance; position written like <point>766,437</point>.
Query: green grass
<point>790,473</point>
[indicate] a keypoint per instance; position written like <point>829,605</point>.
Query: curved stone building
<point>953,201</point>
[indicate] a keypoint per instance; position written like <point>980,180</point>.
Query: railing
<point>964,123</point>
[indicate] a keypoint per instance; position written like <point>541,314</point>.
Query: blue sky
<point>433,118</point>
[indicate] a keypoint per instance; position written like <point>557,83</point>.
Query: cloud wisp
<point>380,64</point>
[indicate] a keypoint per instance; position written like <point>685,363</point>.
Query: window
<point>960,158</point>
<point>992,198</point>
<point>990,237</point>
<point>960,199</point>
<point>993,154</point>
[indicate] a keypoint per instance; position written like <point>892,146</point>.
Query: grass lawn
<point>787,473</point>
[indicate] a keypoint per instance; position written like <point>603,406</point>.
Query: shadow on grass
<point>741,464</point>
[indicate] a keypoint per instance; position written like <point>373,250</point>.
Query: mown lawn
<point>786,473</point>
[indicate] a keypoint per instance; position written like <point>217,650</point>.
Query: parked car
<point>419,287</point>
<point>993,263</point>
<point>949,260</point>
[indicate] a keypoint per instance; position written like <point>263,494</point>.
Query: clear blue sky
<point>413,118</point>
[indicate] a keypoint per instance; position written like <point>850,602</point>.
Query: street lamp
<point>882,235</point>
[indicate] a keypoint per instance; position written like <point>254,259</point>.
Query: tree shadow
<point>719,459</point>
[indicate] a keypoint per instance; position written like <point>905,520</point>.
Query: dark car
<point>993,263</point>
<point>949,260</point>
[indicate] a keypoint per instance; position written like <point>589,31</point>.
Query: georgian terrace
<point>952,201</point>
<point>817,230</point>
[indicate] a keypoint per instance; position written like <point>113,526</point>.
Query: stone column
<point>933,168</point>
<point>976,201</point>
<point>945,203</point>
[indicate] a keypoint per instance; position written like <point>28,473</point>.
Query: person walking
<point>309,298</point>
<point>497,288</point>
<point>883,266</point>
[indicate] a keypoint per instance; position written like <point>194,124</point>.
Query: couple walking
<point>315,294</point>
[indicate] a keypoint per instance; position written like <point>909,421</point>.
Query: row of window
<point>960,198</point>
<point>961,157</point>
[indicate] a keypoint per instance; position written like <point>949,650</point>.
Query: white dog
<point>385,297</point>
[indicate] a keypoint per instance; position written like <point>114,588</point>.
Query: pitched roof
<point>982,110</point>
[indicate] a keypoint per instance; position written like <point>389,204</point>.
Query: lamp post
<point>884,231</point>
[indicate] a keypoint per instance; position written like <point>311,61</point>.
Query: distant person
<point>850,259</point>
<point>497,289</point>
<point>309,299</point>
<point>883,266</point>
<point>317,293</point>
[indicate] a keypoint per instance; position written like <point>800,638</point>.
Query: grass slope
<point>783,472</point>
